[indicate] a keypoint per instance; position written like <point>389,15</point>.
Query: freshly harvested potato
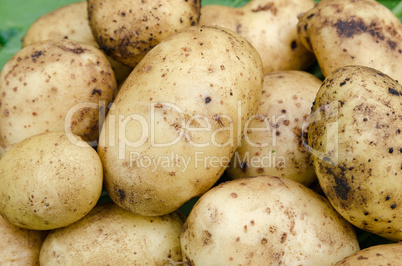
<point>350,32</point>
<point>110,235</point>
<point>355,138</point>
<point>127,30</point>
<point>274,138</point>
<point>54,86</point>
<point>69,22</point>
<point>19,246</point>
<point>265,221</point>
<point>386,254</point>
<point>178,118</point>
<point>49,181</point>
<point>270,26</point>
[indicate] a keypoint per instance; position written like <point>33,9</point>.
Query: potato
<point>49,181</point>
<point>69,22</point>
<point>110,235</point>
<point>275,137</point>
<point>355,137</point>
<point>178,118</point>
<point>350,32</point>
<point>54,86</point>
<point>265,221</point>
<point>127,30</point>
<point>19,246</point>
<point>386,254</point>
<point>270,26</point>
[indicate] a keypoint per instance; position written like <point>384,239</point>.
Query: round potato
<point>49,181</point>
<point>355,138</point>
<point>128,29</point>
<point>54,86</point>
<point>350,32</point>
<point>275,136</point>
<point>69,22</point>
<point>19,246</point>
<point>110,235</point>
<point>387,254</point>
<point>265,221</point>
<point>178,119</point>
<point>270,26</point>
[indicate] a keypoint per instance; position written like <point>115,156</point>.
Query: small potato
<point>128,29</point>
<point>275,137</point>
<point>350,32</point>
<point>110,235</point>
<point>54,86</point>
<point>49,181</point>
<point>19,246</point>
<point>387,254</point>
<point>265,221</point>
<point>69,22</point>
<point>356,141</point>
<point>178,119</point>
<point>270,26</point>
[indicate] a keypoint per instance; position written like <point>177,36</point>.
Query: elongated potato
<point>355,137</point>
<point>265,221</point>
<point>275,137</point>
<point>350,32</point>
<point>178,118</point>
<point>270,26</point>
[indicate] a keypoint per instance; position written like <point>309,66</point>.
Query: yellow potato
<point>54,86</point>
<point>178,118</point>
<point>110,235</point>
<point>350,32</point>
<point>265,221</point>
<point>355,138</point>
<point>270,26</point>
<point>127,30</point>
<point>275,137</point>
<point>69,22</point>
<point>49,181</point>
<point>19,246</point>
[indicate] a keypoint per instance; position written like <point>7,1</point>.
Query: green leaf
<point>232,3</point>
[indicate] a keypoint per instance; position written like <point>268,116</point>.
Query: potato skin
<point>128,29</point>
<point>270,26</point>
<point>350,32</point>
<point>265,221</point>
<point>46,82</point>
<point>49,181</point>
<point>214,78</point>
<point>355,137</point>
<point>283,113</point>
<point>69,22</point>
<point>19,246</point>
<point>110,235</point>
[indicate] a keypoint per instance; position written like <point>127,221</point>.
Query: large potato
<point>49,181</point>
<point>69,22</point>
<point>265,221</point>
<point>275,136</point>
<point>386,254</point>
<point>270,26</point>
<point>110,235</point>
<point>350,32</point>
<point>128,29</point>
<point>178,118</point>
<point>19,246</point>
<point>54,86</point>
<point>355,137</point>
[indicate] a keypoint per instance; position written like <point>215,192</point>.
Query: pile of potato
<point>158,102</point>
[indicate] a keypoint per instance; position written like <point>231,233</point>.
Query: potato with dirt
<point>350,32</point>
<point>356,144</point>
<point>265,220</point>
<point>270,26</point>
